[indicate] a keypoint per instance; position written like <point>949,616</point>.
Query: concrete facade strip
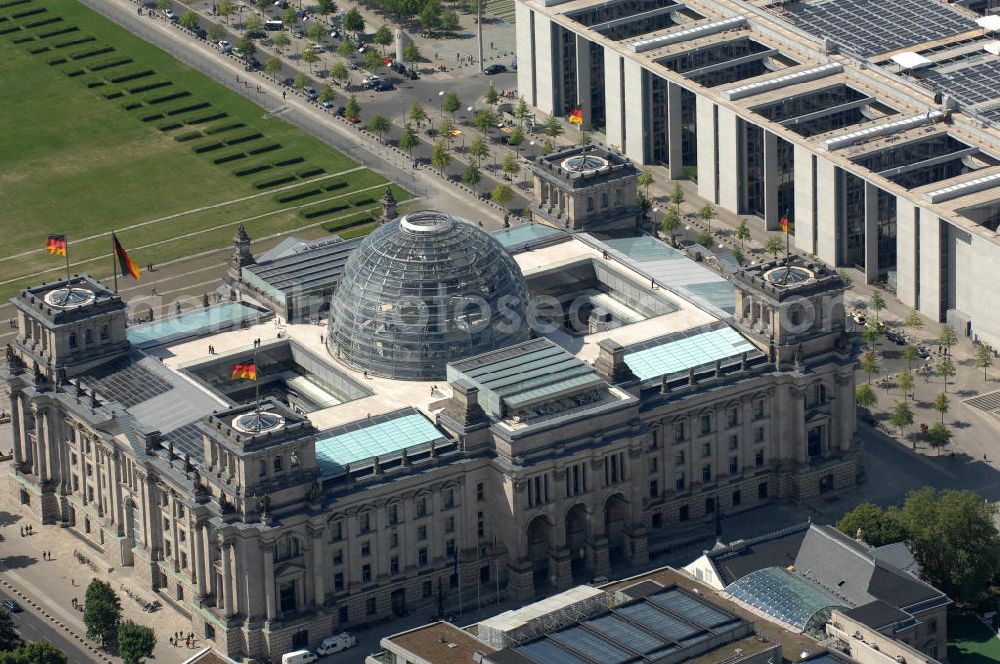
<point>543,64</point>
<point>714,27</point>
<point>782,81</point>
<point>906,252</point>
<point>735,62</point>
<point>705,117</point>
<point>730,170</point>
<point>928,163</point>
<point>816,115</point>
<point>965,188</point>
<point>876,131</point>
<point>525,55</point>
<point>635,134</point>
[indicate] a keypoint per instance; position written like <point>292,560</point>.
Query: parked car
<point>326,104</point>
<point>274,25</point>
<point>12,606</point>
<point>310,93</point>
<point>334,34</point>
<point>282,4</point>
<point>290,82</point>
<point>340,111</point>
<point>169,13</point>
<point>252,63</point>
<point>896,338</point>
<point>382,86</point>
<point>225,46</point>
<point>368,81</point>
<point>200,32</point>
<point>495,69</point>
<point>298,657</point>
<point>338,643</point>
<point>317,47</point>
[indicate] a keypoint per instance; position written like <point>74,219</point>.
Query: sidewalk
<point>53,584</point>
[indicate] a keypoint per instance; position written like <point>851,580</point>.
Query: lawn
<point>103,131</point>
<point>971,642</point>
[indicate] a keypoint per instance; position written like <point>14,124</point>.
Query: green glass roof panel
<point>783,595</point>
<point>517,236</point>
<point>192,324</point>
<point>682,354</point>
<point>574,384</point>
<point>374,440</point>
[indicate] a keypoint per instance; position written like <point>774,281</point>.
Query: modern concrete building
<point>874,126</point>
<point>509,412</point>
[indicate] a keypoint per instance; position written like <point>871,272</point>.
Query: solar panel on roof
<point>126,382</point>
<point>690,608</point>
<point>657,621</point>
<point>581,640</point>
<point>618,630</point>
<point>544,651</point>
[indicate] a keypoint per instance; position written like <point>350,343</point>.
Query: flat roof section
<point>311,269</point>
<point>970,84</point>
<point>722,62</point>
<point>678,354</point>
<point>195,323</point>
<point>624,19</point>
<point>687,34</point>
<point>373,438</point>
<point>530,235</point>
<point>871,27</point>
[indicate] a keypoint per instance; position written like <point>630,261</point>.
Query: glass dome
<point>422,291</point>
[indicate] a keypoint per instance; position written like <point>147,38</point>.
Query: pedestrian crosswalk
<point>987,402</point>
<point>502,9</point>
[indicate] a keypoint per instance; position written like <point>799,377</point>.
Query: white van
<point>298,657</point>
<point>337,643</point>
<point>274,25</point>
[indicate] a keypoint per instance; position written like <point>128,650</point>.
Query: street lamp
<point>531,144</point>
<point>652,221</point>
<point>441,103</point>
<point>468,117</point>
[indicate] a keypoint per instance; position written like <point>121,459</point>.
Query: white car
<point>317,48</point>
<point>338,643</point>
<point>225,46</point>
<point>370,79</point>
<point>169,13</point>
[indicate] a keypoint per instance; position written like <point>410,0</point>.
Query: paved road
<point>34,627</point>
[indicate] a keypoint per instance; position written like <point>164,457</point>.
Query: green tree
<point>430,16</point>
<point>706,214</point>
<point>871,334</point>
<point>189,20</point>
<point>345,49</point>
<point>743,232</point>
<point>102,612</point>
<point>502,194</point>
<point>225,9</point>
<point>354,22</point>
<point>948,338</point>
<point>164,5</point>
<point>865,396</point>
<point>378,124</point>
<point>301,81</point>
<point>479,149</point>
<point>326,93</point>
<point>409,139</point>
<point>485,121</point>
<point>492,96</point>
<point>383,37</point>
<point>310,57</point>
<point>352,110</point>
<point>417,113</point>
<point>910,354</point>
<point>515,139</point>
<point>246,47</point>
<point>324,7</point>
<point>261,4</point>
<point>845,277</point>
<point>440,156</point>
<point>446,130</point>
<point>677,197</point>
<point>449,22</point>
<point>955,540</point>
<point>451,103</point>
<point>645,180</point>
<point>983,360</point>
<point>901,416</point>
<point>738,255</point>
<point>905,382</point>
<point>938,436</point>
<point>869,364</point>
<point>552,127</point>
<point>471,176</point>
<point>216,32</point>
<point>705,239</point>
<point>281,41</point>
<point>339,73</point>
<point>876,303</point>
<point>135,642</point>
<point>877,527</point>
<point>411,53</point>
<point>511,165</point>
<point>371,60</point>
<point>774,245</point>
<point>9,638</point>
<point>913,320</point>
<point>272,66</point>
<point>548,147</point>
<point>253,26</point>
<point>316,31</point>
<point>671,222</point>
<point>523,112</point>
<point>41,652</point>
<point>945,369</point>
<point>941,405</point>
<point>289,17</point>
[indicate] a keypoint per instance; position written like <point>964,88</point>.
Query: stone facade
<point>266,554</point>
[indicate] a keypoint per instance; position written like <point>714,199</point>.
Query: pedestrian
<point>72,582</point>
<point>171,639</point>
<point>21,530</point>
<point>237,78</point>
<point>282,94</point>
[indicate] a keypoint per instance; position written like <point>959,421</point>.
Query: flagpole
<point>256,384</point>
<point>114,265</point>
<point>69,288</point>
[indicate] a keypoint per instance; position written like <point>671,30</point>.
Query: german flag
<point>56,244</point>
<point>128,267</point>
<point>245,371</point>
<point>784,224</point>
<point>576,117</point>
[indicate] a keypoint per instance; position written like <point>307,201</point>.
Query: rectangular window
<point>338,582</point>
<point>652,466</point>
<point>709,505</point>
<point>364,523</point>
<point>480,492</point>
<point>366,574</point>
<point>758,409</point>
<point>706,450</point>
<point>758,435</point>
<point>449,524</point>
<point>449,499</point>
<point>422,506</point>
<point>449,548</point>
<point>734,442</point>
<point>706,425</point>
<point>371,608</point>
<point>683,514</point>
<point>336,531</point>
<point>480,525</point>
<point>422,557</point>
<point>394,565</point>
<point>734,417</point>
<point>393,515</point>
<point>427,589</point>
<point>679,480</point>
<point>758,459</point>
<point>706,473</point>
<point>393,540</point>
<point>737,498</point>
<point>366,549</point>
<point>762,490</point>
<point>680,431</point>
<point>421,533</point>
<point>734,465</point>
<point>679,458</point>
<point>338,557</point>
<point>654,489</point>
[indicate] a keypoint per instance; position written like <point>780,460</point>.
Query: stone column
<point>520,580</point>
<point>267,553</point>
<point>39,446</point>
<point>871,233</point>
<point>198,560</point>
<point>675,141</point>
<point>319,575</point>
<point>15,426</point>
<point>225,547</point>
<point>206,570</point>
<point>116,478</point>
<point>598,560</point>
<point>560,568</point>
<point>173,531</point>
<point>772,215</point>
<point>799,423</point>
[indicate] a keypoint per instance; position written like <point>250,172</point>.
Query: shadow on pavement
<point>17,562</point>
